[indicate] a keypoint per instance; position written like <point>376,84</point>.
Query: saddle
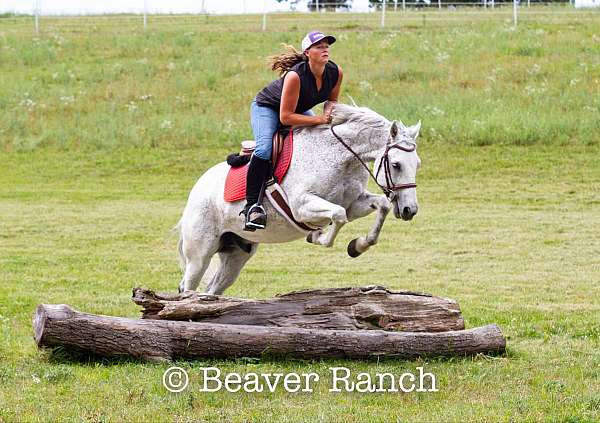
<point>235,183</point>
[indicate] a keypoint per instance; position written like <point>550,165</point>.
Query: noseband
<point>390,190</point>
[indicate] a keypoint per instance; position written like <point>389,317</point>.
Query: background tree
<point>329,4</point>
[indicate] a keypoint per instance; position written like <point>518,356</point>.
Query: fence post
<point>37,16</point>
<point>317,6</point>
<point>264,20</point>
<point>440,4</point>
<point>515,2</point>
<point>383,14</point>
<point>145,15</point>
<point>403,5</point>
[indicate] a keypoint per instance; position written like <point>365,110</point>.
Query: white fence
<point>151,10</point>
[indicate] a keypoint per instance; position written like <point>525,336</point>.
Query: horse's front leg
<point>315,211</point>
<point>365,204</point>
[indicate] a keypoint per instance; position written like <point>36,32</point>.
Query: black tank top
<point>309,97</point>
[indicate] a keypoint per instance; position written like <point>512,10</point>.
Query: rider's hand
<point>325,118</point>
<point>328,107</point>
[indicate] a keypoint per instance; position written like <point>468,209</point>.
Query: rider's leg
<point>258,172</point>
<point>264,124</point>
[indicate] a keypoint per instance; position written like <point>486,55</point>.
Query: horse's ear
<point>413,131</point>
<point>394,129</point>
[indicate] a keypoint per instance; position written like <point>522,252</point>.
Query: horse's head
<point>396,169</point>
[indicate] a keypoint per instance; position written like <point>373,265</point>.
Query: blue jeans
<point>265,122</point>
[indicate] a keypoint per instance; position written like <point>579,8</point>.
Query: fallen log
<point>370,307</point>
<point>60,325</point>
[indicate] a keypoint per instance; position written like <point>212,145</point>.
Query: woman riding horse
<point>306,79</point>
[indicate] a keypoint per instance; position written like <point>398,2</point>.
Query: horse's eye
<point>397,165</point>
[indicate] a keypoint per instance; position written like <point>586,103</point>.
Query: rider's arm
<point>333,97</point>
<point>289,101</point>
<point>335,93</point>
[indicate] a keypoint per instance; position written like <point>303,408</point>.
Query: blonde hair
<point>283,62</point>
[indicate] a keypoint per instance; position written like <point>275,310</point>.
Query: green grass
<point>91,187</point>
<point>472,81</point>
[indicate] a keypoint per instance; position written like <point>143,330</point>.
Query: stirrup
<point>260,219</point>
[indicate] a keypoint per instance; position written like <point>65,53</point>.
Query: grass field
<point>105,130</point>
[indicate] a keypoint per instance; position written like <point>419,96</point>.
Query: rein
<point>390,189</point>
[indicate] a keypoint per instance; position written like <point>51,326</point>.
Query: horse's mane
<point>362,115</point>
<point>345,113</point>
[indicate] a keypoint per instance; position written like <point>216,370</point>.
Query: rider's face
<point>319,52</point>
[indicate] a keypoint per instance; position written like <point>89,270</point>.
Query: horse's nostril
<point>406,211</point>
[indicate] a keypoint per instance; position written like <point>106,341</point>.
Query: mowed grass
<point>105,131</point>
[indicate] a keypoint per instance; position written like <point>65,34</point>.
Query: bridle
<point>391,189</point>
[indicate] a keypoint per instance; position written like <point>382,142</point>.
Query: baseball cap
<point>314,37</point>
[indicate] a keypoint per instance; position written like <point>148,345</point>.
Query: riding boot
<point>258,172</point>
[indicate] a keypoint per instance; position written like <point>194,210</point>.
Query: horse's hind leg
<point>197,253</point>
<point>196,264</point>
<point>232,259</point>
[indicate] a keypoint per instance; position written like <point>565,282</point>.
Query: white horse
<point>325,185</point>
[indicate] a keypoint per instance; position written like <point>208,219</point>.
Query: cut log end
<point>43,314</point>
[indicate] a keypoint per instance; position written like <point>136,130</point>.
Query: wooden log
<point>370,307</point>
<point>60,325</point>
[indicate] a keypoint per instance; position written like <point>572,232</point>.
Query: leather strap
<point>283,205</point>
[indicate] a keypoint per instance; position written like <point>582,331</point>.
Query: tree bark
<point>371,307</point>
<point>60,325</point>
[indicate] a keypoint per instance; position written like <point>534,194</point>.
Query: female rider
<point>306,79</point>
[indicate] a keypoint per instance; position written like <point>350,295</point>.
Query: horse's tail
<point>182,261</point>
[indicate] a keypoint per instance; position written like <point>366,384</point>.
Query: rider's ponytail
<point>283,62</point>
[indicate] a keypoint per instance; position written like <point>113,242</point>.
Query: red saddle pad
<point>235,184</point>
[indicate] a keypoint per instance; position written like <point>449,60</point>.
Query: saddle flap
<point>278,141</point>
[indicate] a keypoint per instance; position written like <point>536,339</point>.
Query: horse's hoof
<point>352,251</point>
